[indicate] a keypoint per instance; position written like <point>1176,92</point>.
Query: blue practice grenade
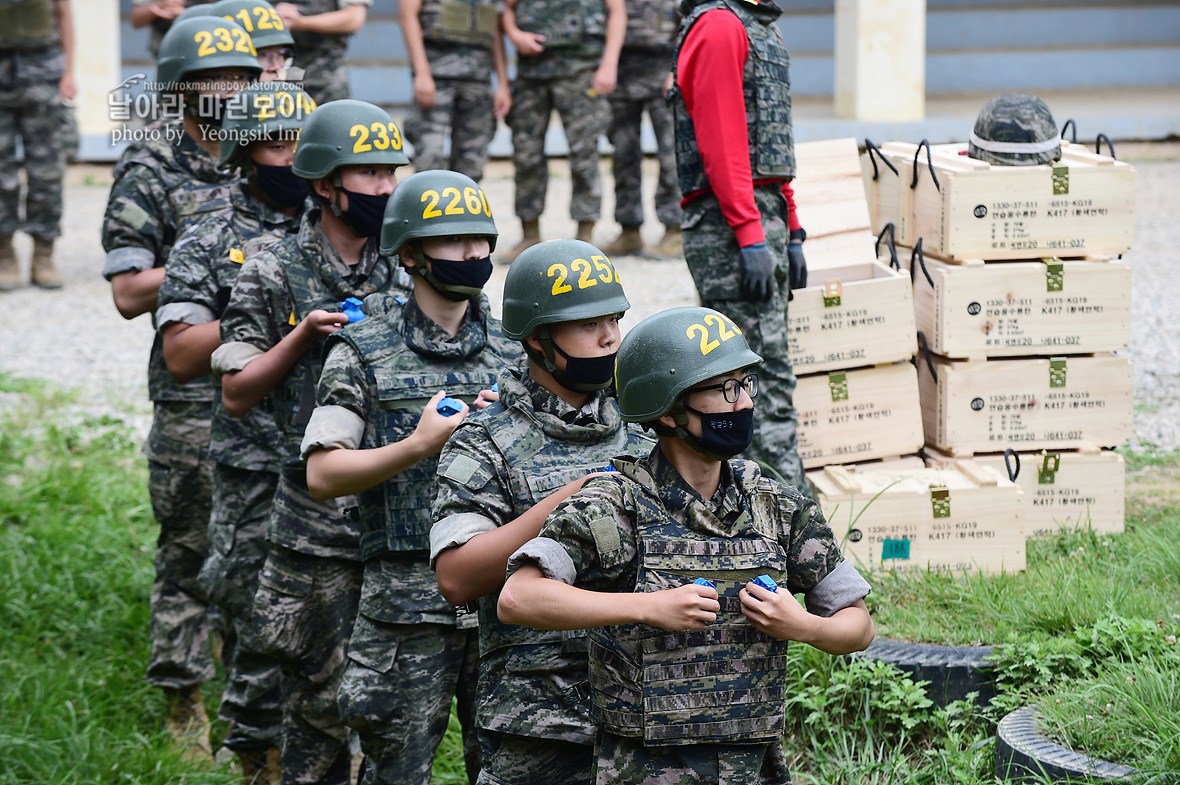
<point>766,582</point>
<point>704,582</point>
<point>352,309</point>
<point>448,406</point>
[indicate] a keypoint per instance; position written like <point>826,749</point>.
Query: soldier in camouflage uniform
<point>272,40</point>
<point>321,29</point>
<point>567,59</point>
<point>1015,130</point>
<point>644,68</point>
<point>502,471</point>
<point>264,208</point>
<point>735,159</point>
<point>377,432</point>
<point>159,191</point>
<point>286,300</point>
<point>621,556</point>
<point>454,45</point>
<point>36,76</point>
<point>160,15</point>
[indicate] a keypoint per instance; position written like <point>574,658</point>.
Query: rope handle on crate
<point>926,352</point>
<point>894,262</point>
<point>918,259</point>
<point>929,163</point>
<point>1070,125</point>
<point>871,148</point>
<point>1110,145</point>
<point>1010,453</point>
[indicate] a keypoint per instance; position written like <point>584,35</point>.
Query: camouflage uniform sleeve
<point>190,293</point>
<point>814,563</point>
<point>250,324</point>
<point>471,491</point>
<point>588,541</point>
<point>342,403</point>
<point>133,229</point>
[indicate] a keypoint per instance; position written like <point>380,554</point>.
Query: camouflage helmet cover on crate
<point>1015,130</point>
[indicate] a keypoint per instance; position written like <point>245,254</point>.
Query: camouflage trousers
<point>463,110</point>
<point>252,702</point>
<point>528,760</point>
<point>622,760</point>
<point>325,75</point>
<point>303,614</point>
<point>31,112</point>
<point>584,116</point>
<point>397,694</point>
<point>712,253</point>
<point>640,89</point>
<point>180,485</point>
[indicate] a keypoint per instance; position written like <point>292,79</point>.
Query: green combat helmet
<point>558,281</point>
<point>204,44</point>
<point>1015,130</point>
<point>669,353</point>
<point>437,203</point>
<point>344,133</point>
<point>194,11</point>
<point>260,19</point>
<point>264,110</point>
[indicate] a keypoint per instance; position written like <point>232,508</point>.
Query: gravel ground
<point>74,338</point>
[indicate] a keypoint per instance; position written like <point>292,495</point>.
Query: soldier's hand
<point>527,44</point>
<point>485,398</point>
<point>605,79</point>
<point>290,14</point>
<point>796,260</point>
<point>688,607</point>
<point>67,87</point>
<point>775,613</point>
<point>502,100</point>
<point>320,322</point>
<point>757,269</point>
<point>424,90</point>
<point>167,9</point>
<point>433,428</point>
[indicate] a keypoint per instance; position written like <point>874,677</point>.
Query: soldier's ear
<point>406,254</point>
<point>324,188</point>
<point>533,342</point>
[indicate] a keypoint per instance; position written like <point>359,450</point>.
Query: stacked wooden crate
<point>1020,303</point>
<point>851,331</point>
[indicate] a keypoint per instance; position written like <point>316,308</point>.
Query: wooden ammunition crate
<point>1020,309</point>
<point>962,518</point>
<point>858,415</point>
<point>838,250</point>
<point>1040,403</point>
<point>829,193</point>
<point>850,317</point>
<point>883,187</point>
<point>1084,205</point>
<point>1062,490</point>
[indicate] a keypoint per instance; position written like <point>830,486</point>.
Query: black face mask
<point>280,186</point>
<point>457,280</point>
<point>725,434</point>
<point>586,374</point>
<point>364,213</point>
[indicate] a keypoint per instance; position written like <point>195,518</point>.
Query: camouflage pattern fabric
<point>180,486</point>
<point>324,58</point>
<point>640,89</point>
<point>651,27</point>
<point>521,760</point>
<point>765,87</point>
<point>463,22</point>
<point>31,110</point>
<point>304,612</point>
<point>199,275</point>
<point>531,683</point>
<point>384,370</point>
<point>160,26</point>
<point>621,760</point>
<point>463,111</point>
<point>1015,130</point>
<point>605,510</point>
<point>712,253</point>
<point>397,690</point>
<point>572,29</point>
<point>584,116</point>
<point>252,701</point>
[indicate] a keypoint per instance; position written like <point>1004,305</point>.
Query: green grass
<point>1084,633</point>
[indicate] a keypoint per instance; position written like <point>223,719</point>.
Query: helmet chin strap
<point>680,414</point>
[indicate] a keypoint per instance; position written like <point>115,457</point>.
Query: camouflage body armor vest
<point>27,24</point>
<point>766,89</point>
<point>467,22</point>
<point>395,515</point>
<point>651,24</point>
<point>574,27</point>
<point>640,675</point>
<point>191,199</point>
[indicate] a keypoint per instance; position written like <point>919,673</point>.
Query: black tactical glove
<point>757,268</point>
<point>797,262</point>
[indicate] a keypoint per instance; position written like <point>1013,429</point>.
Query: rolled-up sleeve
<point>332,428</point>
<point>547,554</point>
<point>842,587</point>
<point>456,530</point>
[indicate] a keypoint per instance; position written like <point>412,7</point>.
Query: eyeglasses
<point>731,388</point>
<point>275,59</point>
